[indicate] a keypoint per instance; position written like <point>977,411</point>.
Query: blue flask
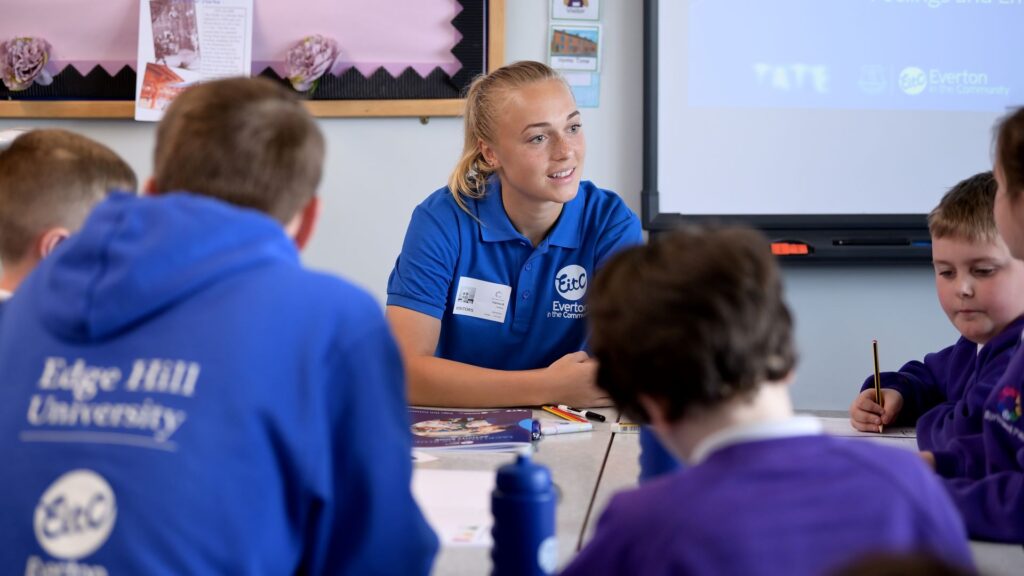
<point>655,460</point>
<point>523,505</point>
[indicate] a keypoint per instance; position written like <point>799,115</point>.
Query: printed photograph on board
<point>575,47</point>
<point>175,33</point>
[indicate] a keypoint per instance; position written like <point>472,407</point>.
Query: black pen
<point>589,415</point>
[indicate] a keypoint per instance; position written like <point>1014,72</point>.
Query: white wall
<point>379,169</point>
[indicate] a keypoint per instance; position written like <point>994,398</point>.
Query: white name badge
<point>481,299</point>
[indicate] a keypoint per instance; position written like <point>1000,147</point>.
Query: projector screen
<point>821,118</point>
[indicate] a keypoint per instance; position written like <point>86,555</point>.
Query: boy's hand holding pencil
<point>867,415</point>
<point>877,406</point>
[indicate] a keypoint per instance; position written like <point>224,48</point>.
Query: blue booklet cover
<point>495,430</point>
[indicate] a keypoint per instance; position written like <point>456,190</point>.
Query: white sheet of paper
<point>481,299</point>
<point>457,504</point>
<point>842,427</point>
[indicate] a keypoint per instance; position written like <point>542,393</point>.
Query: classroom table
<point>588,468</point>
<point>575,461</point>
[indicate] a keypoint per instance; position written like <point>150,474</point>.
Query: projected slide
<point>868,54</point>
<point>829,107</point>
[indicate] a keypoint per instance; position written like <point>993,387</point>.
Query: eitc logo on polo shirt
<point>571,285</point>
<point>571,282</point>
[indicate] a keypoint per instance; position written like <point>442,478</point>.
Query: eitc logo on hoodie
<point>73,518</point>
<point>75,515</point>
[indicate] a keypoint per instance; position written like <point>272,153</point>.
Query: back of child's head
<point>690,321</point>
<point>246,141</point>
<point>51,179</point>
<point>966,211</point>
<point>1010,152</point>
<point>485,99</point>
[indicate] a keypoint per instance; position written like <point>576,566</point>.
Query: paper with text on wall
<point>185,42</point>
<point>481,299</point>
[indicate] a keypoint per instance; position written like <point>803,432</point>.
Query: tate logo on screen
<point>75,516</point>
<point>913,80</point>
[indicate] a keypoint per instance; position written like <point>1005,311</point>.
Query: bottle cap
<point>523,476</point>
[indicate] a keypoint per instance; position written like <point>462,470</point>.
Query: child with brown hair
<point>49,181</point>
<point>979,285</point>
<point>693,338</point>
<point>181,396</point>
<point>991,498</point>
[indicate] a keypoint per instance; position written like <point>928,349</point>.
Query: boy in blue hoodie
<point>49,181</point>
<point>979,285</point>
<point>181,396</point>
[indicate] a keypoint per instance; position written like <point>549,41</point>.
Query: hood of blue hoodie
<point>136,256</point>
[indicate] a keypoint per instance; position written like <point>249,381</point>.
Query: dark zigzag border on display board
<point>69,84</point>
<point>470,51</point>
<point>380,85</point>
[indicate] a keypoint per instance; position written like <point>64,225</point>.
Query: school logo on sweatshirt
<point>1008,404</point>
<point>75,515</point>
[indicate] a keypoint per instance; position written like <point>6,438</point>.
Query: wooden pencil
<point>878,382</point>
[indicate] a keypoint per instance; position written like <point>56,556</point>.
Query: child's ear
<point>655,412</point>
<point>149,187</point>
<point>49,241</point>
<point>302,225</point>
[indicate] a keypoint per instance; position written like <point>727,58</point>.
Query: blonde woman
<point>488,297</point>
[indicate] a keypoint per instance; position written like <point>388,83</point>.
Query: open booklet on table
<point>491,430</point>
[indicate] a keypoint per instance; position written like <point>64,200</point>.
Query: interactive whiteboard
<point>837,123</point>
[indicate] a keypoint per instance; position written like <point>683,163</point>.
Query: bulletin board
<point>398,57</point>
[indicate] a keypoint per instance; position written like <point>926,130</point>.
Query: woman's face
<point>1009,215</point>
<point>539,148</point>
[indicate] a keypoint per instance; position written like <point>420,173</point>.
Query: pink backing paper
<point>394,34</point>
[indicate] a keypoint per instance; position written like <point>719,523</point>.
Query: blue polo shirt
<point>502,303</point>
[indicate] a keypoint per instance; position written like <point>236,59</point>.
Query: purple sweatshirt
<point>945,395</point>
<point>797,505</point>
<point>993,505</point>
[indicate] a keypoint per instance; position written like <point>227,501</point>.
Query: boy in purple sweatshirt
<point>693,338</point>
<point>993,504</point>
<point>979,287</point>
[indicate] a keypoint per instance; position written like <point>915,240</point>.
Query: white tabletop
<point>575,461</point>
<point>588,468</point>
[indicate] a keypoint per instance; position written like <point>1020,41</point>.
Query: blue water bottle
<point>655,460</point>
<point>523,505</point>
